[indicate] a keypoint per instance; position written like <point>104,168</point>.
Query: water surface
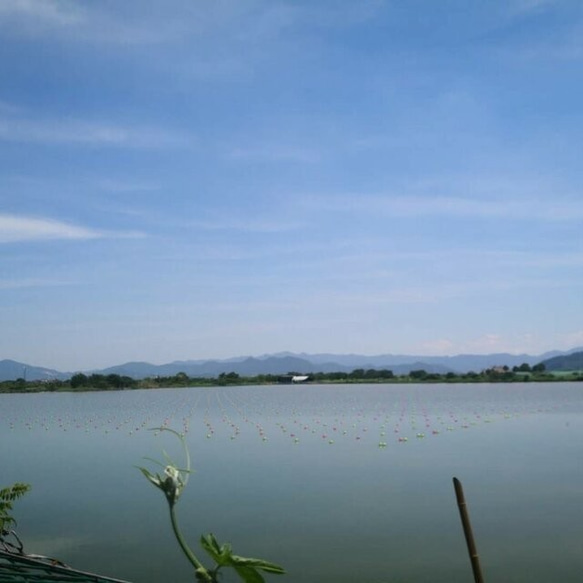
<point>336,483</point>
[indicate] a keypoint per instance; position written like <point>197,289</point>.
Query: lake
<point>338,483</point>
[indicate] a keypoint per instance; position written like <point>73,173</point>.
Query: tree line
<point>100,382</point>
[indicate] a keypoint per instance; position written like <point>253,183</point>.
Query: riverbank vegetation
<point>97,382</point>
<point>7,497</point>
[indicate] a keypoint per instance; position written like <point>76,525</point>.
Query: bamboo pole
<point>463,508</point>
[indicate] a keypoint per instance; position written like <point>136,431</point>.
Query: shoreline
<point>33,387</point>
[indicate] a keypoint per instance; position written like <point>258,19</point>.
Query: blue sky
<point>206,179</point>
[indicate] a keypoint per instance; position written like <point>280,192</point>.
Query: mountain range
<point>565,362</point>
<point>285,362</point>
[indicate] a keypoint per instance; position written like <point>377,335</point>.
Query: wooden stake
<point>463,508</point>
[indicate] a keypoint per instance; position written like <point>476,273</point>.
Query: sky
<point>197,179</point>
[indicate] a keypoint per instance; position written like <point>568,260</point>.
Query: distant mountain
<point>460,363</point>
<point>285,362</point>
<point>211,368</point>
<point>136,370</point>
<point>252,366</point>
<point>249,366</point>
<point>10,370</point>
<point>565,362</point>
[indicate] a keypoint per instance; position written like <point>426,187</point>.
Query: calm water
<point>296,475</point>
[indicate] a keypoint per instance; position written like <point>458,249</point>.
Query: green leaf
<point>245,566</point>
<point>155,479</point>
<point>226,550</point>
<point>212,541</point>
<point>154,461</point>
<point>257,564</point>
<point>7,497</point>
<point>211,546</point>
<point>169,460</point>
<point>249,574</point>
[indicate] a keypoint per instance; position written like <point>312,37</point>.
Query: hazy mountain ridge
<point>11,370</point>
<point>565,362</point>
<point>284,362</point>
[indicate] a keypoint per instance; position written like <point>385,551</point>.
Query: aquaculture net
<point>19,568</point>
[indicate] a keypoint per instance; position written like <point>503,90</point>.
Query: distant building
<point>293,378</point>
<point>300,378</point>
<point>498,369</point>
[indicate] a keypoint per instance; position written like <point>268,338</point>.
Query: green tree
<point>181,379</point>
<point>78,380</point>
<point>7,497</point>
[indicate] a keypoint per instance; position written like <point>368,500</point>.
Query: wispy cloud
<point>89,133</point>
<point>253,22</point>
<point>9,108</point>
<point>275,19</point>
<point>552,208</point>
<point>82,22</point>
<point>275,153</point>
<point>561,42</point>
<point>14,229</point>
<point>270,225</point>
<point>122,186</point>
<point>520,7</point>
<point>10,284</point>
<point>40,13</point>
<point>484,344</point>
<point>568,340</point>
<point>523,342</point>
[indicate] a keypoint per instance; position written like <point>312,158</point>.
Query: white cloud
<point>14,229</point>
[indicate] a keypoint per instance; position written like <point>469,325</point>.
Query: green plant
<point>7,497</point>
<point>172,482</point>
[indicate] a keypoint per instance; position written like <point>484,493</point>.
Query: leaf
<point>7,497</point>
<point>245,566</point>
<point>169,460</point>
<point>227,550</point>
<point>211,546</point>
<point>249,574</point>
<point>155,479</point>
<point>258,564</point>
<point>154,461</point>
<point>212,541</point>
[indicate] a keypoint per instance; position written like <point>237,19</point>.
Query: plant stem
<point>185,548</point>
